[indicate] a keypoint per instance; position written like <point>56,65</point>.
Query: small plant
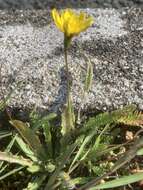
<point>60,154</point>
<point>71,24</point>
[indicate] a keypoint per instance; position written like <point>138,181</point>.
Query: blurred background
<point>44,4</point>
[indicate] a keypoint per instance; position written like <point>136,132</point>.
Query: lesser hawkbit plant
<point>71,24</point>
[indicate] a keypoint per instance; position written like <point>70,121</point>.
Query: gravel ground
<point>44,4</point>
<point>32,55</point>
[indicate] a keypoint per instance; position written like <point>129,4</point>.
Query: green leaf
<point>4,134</point>
<point>85,142</point>
<point>67,182</point>
<point>11,172</point>
<point>30,138</point>
<point>37,121</point>
<point>125,180</point>
<point>81,149</point>
<point>81,180</point>
<point>87,86</point>
<point>48,137</point>
<point>36,183</point>
<point>105,150</point>
<point>8,157</point>
<point>124,115</point>
<point>34,168</point>
<point>3,103</point>
<point>126,158</point>
<point>68,118</point>
<point>25,148</point>
<point>140,152</point>
<point>51,116</point>
<point>98,139</point>
<point>62,162</point>
<point>89,73</point>
<point>50,167</point>
<point>8,148</point>
<point>3,168</point>
<point>89,76</point>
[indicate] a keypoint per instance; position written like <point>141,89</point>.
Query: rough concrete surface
<point>42,4</point>
<point>32,63</point>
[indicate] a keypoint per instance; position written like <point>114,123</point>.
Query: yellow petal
<point>82,16</point>
<point>57,19</point>
<point>70,22</point>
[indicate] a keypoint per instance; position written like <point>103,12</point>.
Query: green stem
<point>67,73</point>
<point>66,45</point>
<point>68,113</point>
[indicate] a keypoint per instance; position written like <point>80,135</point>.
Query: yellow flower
<point>70,22</point>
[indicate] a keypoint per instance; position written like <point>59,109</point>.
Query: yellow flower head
<point>70,22</point>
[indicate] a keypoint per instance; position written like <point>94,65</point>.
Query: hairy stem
<point>67,67</point>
